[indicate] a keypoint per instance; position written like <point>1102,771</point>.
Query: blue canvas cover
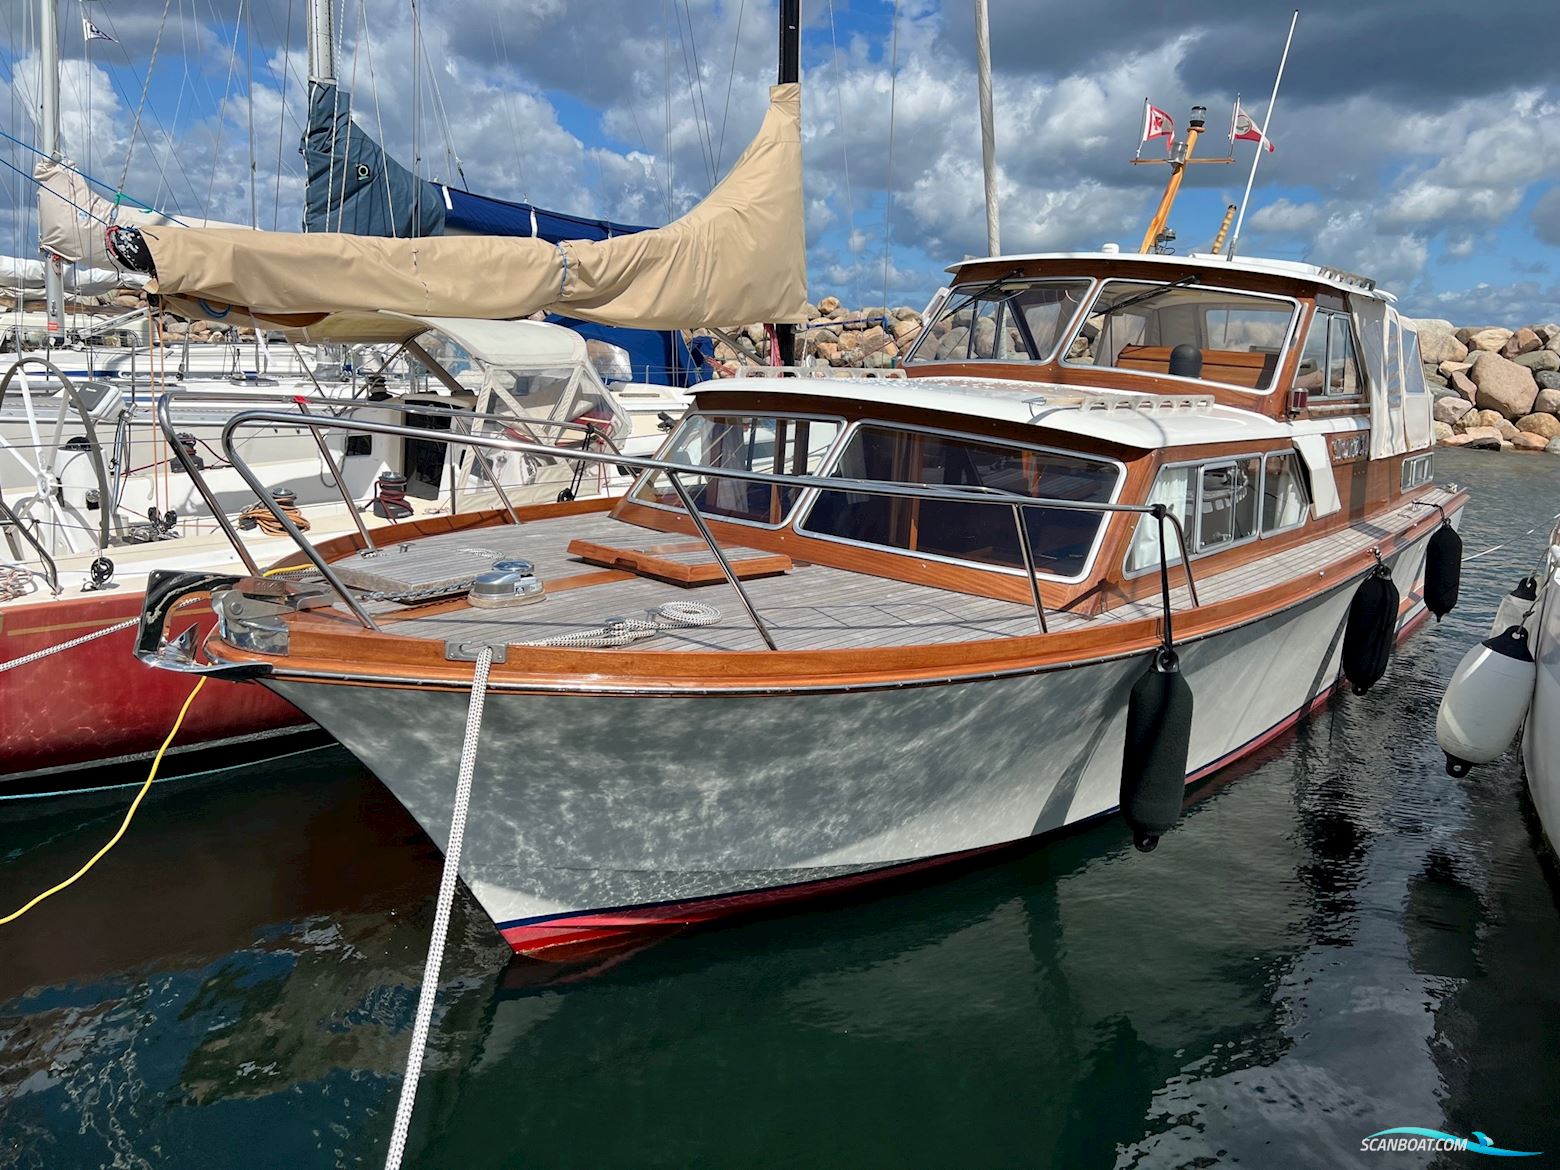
<point>353,185</point>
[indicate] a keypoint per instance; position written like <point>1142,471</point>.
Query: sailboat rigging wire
<point>736,43</point>
<point>227,91</point>
<point>850,202</point>
<point>700,127</point>
<point>145,83</point>
<point>666,118</point>
<point>249,86</point>
<point>442,116</point>
<point>888,182</point>
<point>281,123</point>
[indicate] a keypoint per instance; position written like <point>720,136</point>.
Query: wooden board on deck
<point>678,560</point>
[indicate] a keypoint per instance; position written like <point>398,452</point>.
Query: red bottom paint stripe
<point>583,934</point>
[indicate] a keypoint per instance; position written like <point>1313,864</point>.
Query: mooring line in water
<point>441,915</point>
<point>129,813</point>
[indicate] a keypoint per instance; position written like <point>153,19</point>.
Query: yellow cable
<point>125,824</point>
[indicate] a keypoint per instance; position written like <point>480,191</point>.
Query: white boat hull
<point>1541,734</point>
<point>618,812</point>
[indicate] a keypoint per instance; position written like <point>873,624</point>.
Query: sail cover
<point>738,256</point>
<point>353,185</point>
<point>71,218</point>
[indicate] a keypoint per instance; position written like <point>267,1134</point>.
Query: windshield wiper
<point>1149,294</point>
<point>978,293</point>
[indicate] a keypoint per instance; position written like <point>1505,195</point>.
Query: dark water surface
<point>1337,940</point>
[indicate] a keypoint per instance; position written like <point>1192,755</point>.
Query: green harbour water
<point>1338,939</point>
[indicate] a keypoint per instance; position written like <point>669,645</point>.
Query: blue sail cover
<point>355,187</point>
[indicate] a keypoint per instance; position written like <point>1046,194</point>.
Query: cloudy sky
<point>1418,140</point>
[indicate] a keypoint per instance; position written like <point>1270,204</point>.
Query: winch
<point>512,581</point>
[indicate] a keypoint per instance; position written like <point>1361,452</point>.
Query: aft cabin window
<point>1221,504</point>
<point>1136,325</point>
<point>771,445</point>
<point>1019,321</point>
<point>1062,540</point>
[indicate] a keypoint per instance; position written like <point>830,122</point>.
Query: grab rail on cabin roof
<point>974,495</point>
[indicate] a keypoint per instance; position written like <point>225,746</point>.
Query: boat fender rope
<point>441,914</point>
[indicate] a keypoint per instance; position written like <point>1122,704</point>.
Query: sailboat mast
<point>988,133</point>
<point>322,42</point>
<point>49,127</point>
<point>790,71</point>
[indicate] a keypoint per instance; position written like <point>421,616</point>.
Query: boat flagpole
<point>988,134</point>
<point>1267,136</point>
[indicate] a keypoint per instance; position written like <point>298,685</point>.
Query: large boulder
<point>1478,439</point>
<point>1442,431</point>
<point>1527,441</point>
<point>1491,339</point>
<point>1485,418</point>
<point>906,313</point>
<point>1437,343</point>
<point>1434,380</point>
<point>954,343</point>
<point>828,305</point>
<point>1547,380</point>
<point>1450,410</point>
<point>1503,385</point>
<point>1463,384</point>
<point>1540,424</point>
<point>1524,340</point>
<point>1548,400</point>
<point>1539,360</point>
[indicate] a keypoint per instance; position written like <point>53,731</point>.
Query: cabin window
<point>1019,321</point>
<point>1342,370</point>
<point>1061,539</point>
<point>1418,471</point>
<point>1135,325</point>
<point>1227,503</point>
<point>770,445</point>
<point>1283,493</point>
<point>1224,498</point>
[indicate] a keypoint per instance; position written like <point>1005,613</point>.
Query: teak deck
<point>812,607</point>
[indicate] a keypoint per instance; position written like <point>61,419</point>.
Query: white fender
<point>1486,701</point>
<point>1515,605</point>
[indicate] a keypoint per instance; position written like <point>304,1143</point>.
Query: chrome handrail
<point>163,413</point>
<point>954,494</point>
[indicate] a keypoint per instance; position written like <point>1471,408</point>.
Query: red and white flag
<point>1246,129</point>
<point>1157,124</point>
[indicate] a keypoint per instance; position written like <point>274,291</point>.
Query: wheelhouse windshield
<point>1009,321</point>
<point>772,445</point>
<point>1134,325</point>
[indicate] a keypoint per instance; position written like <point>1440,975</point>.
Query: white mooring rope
<point>441,916</point>
<point>669,615</point>
<point>72,644</point>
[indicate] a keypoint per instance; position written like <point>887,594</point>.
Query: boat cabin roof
<point>1139,421</point>
<point>1207,262</point>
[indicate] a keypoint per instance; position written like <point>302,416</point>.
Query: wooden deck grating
<point>811,607</point>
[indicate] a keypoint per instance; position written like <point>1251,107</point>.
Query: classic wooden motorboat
<point>844,629</point>
<point>72,569</point>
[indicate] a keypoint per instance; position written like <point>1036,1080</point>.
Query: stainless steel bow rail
<point>674,473</point>
<point>341,408</point>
